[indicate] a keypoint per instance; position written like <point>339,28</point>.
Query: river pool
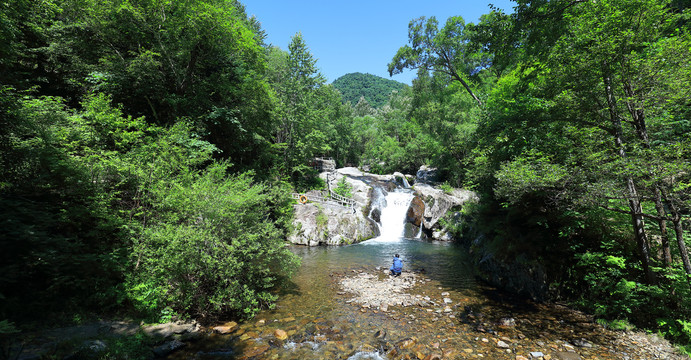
<point>462,319</point>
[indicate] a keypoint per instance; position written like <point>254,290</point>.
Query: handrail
<point>325,198</point>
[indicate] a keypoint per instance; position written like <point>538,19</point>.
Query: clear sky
<point>357,35</point>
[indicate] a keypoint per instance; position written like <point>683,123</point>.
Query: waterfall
<point>393,216</point>
<point>405,182</point>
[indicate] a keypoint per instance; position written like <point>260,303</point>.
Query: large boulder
<point>360,189</point>
<point>328,224</point>
<point>427,175</point>
<point>332,224</point>
<point>437,204</point>
<point>415,212</point>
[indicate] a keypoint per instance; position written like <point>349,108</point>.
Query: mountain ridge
<point>375,89</point>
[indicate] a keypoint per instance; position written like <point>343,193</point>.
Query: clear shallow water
<point>444,262</point>
<point>321,322</point>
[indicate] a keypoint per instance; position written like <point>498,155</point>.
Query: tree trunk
<point>679,231</point>
<point>632,193</point>
<point>662,223</point>
<point>467,88</point>
<point>639,124</point>
<point>676,220</point>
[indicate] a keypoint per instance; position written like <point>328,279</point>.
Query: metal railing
<point>326,198</point>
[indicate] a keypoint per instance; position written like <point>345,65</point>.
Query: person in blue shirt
<point>397,266</point>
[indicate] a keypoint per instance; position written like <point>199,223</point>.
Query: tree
<point>298,85</point>
<point>447,50</point>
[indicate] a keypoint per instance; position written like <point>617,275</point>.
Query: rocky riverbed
<point>415,317</point>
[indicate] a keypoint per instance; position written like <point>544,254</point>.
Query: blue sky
<point>357,35</point>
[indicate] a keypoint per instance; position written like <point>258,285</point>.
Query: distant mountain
<point>374,88</point>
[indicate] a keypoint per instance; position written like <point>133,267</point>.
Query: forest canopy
<point>374,89</point>
<point>148,151</point>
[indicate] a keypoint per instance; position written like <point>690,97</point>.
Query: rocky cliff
<point>431,204</point>
<point>327,223</point>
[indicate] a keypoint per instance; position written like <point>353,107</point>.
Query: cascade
<point>393,216</point>
<point>406,184</point>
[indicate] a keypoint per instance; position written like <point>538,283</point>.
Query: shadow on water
<point>288,287</point>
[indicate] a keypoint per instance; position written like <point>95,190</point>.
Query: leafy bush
<point>343,188</point>
<point>133,347</point>
<point>211,249</point>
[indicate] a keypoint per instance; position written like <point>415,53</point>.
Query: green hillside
<point>374,88</point>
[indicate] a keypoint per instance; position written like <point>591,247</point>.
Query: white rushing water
<point>367,356</point>
<point>393,216</point>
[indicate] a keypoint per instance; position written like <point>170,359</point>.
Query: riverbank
<point>417,317</point>
<point>504,328</point>
<point>411,316</point>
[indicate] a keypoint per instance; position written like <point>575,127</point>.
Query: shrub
<point>343,188</point>
<point>212,248</point>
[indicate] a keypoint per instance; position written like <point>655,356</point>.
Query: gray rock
<point>426,175</point>
<point>437,205</point>
<point>503,345</point>
<point>507,322</point>
<point>582,343</point>
<point>342,225</point>
<point>567,355</point>
<point>170,329</point>
<point>95,345</point>
<point>332,224</point>
<point>168,347</point>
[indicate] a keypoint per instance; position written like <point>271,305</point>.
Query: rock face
<point>517,276</point>
<point>323,224</point>
<point>436,205</point>
<point>330,224</point>
<point>427,175</point>
<point>415,212</point>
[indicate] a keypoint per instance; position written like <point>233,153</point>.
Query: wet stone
<point>582,343</point>
<point>567,355</point>
<point>256,350</point>
<point>280,334</point>
<point>226,328</point>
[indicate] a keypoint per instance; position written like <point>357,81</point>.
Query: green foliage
<point>530,174</point>
<point>135,347</point>
<point>210,249</point>
<point>374,89</point>
<point>343,188</point>
<point>111,198</point>
<point>322,220</point>
<point>447,51</point>
<point>616,324</point>
<point>61,240</point>
<point>612,295</point>
<point>446,188</point>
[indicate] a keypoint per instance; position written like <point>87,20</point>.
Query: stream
<point>458,317</point>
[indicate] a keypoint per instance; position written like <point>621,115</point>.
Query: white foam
<point>393,216</point>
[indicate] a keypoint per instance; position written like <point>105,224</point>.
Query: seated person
<point>397,266</point>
